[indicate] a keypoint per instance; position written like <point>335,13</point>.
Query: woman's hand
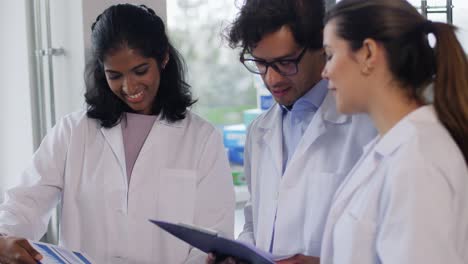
<point>15,250</point>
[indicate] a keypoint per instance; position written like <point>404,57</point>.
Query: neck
<point>390,107</point>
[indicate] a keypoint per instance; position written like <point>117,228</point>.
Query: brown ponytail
<point>404,34</point>
<point>451,85</point>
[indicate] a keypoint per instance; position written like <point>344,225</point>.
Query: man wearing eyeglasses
<point>299,151</point>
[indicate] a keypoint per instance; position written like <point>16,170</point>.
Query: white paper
<point>58,255</point>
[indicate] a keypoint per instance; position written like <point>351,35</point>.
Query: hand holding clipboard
<point>209,241</point>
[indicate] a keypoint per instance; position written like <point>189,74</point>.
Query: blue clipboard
<point>209,241</point>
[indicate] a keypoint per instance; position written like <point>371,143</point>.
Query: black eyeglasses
<point>285,67</point>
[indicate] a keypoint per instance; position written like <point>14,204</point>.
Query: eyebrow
<point>134,68</point>
<point>287,56</point>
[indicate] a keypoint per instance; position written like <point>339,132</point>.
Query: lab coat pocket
<point>354,240</point>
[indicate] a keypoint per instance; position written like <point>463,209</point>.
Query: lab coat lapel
<point>159,129</point>
<point>114,138</point>
<point>374,153</point>
<point>272,137</point>
<point>359,175</point>
<point>325,117</point>
<point>154,142</point>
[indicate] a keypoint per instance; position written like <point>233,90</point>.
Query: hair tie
<point>148,10</point>
<point>428,27</point>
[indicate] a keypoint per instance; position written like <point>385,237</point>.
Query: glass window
<point>460,19</point>
<point>221,83</point>
<point>226,90</point>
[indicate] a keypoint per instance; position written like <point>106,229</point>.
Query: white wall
<point>15,115</point>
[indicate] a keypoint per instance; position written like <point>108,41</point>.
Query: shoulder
<point>430,156</point>
<point>72,121</point>
<point>432,142</point>
<point>76,121</point>
<point>195,123</point>
<point>193,130</point>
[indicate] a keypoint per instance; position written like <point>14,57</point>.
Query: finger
<point>237,261</point>
<point>29,249</point>
<point>220,258</point>
<point>210,259</point>
<point>287,261</point>
<point>225,260</point>
<point>21,256</point>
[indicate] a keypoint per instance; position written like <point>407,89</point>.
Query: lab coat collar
<point>326,115</point>
<point>165,122</point>
<point>272,129</point>
<point>311,100</point>
<point>326,104</point>
<point>402,131</point>
<point>327,112</point>
<point>376,151</point>
<point>176,124</point>
<point>114,138</point>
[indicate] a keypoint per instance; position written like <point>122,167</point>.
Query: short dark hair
<point>138,28</point>
<point>260,17</point>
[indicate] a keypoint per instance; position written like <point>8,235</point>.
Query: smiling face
<point>282,45</point>
<point>343,69</point>
<point>133,78</point>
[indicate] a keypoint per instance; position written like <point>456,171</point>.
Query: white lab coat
<point>181,175</point>
<point>301,197</point>
<point>405,202</point>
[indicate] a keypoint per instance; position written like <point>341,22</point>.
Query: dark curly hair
<point>138,28</point>
<point>260,17</point>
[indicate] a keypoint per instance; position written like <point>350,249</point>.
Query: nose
<point>128,85</point>
<point>272,77</point>
<point>325,73</point>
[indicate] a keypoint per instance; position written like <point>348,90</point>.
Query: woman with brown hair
<point>406,200</point>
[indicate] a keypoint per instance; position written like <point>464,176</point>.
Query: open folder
<point>209,241</point>
<point>53,254</point>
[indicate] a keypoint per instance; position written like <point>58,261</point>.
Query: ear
<point>368,56</point>
<point>165,60</point>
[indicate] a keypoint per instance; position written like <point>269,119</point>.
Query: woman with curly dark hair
<point>137,153</point>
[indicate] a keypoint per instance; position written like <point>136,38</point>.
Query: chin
<point>140,108</point>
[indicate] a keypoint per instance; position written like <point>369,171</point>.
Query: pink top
<point>135,130</point>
